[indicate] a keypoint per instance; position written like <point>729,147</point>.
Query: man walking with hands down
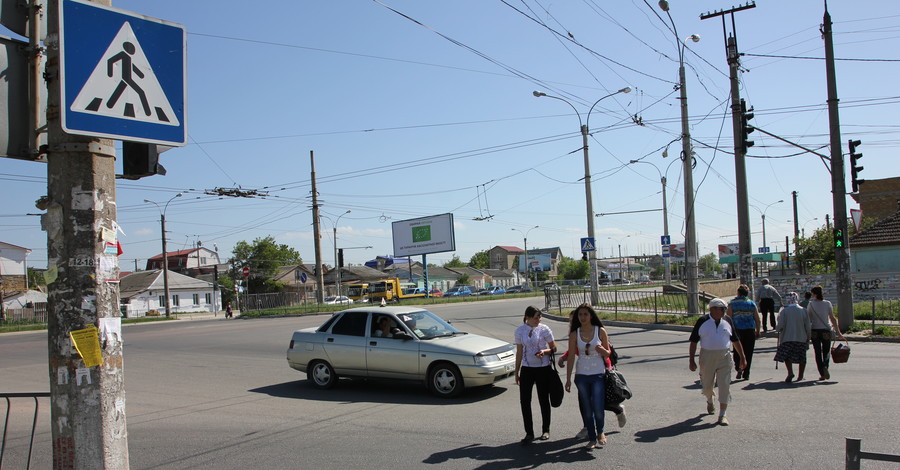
<point>716,334</point>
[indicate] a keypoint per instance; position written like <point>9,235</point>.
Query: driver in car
<point>384,329</point>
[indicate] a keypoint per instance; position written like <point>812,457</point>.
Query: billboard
<point>729,249</point>
<point>676,252</point>
<point>539,262</point>
<point>424,235</point>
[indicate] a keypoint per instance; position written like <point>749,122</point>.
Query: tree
<point>263,257</point>
<point>570,268</point>
<point>709,264</point>
<point>480,260</point>
<point>35,278</point>
<point>816,252</point>
<point>454,263</point>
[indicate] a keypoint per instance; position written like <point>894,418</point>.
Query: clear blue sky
<point>409,120</point>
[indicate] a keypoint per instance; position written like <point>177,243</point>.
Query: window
<point>208,298</point>
<point>203,261</point>
<point>162,301</point>
<point>351,323</point>
<point>175,300</point>
<point>196,299</point>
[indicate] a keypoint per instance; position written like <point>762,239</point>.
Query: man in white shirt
<point>716,334</point>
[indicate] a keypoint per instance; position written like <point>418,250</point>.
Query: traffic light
<point>854,170</point>
<point>140,160</point>
<point>746,128</point>
<point>340,257</point>
<point>839,242</point>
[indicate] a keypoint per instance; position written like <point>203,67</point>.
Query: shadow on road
<point>515,455</point>
<point>672,430</point>
<point>376,391</point>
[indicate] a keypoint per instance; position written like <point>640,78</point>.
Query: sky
<point>416,108</point>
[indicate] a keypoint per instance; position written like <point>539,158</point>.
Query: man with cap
<point>765,298</point>
<point>716,334</point>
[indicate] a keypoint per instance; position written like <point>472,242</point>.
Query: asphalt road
<point>218,394</point>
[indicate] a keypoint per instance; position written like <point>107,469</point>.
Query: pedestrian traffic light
<point>746,129</point>
<point>839,241</point>
<point>854,169</point>
<point>340,257</point>
<point>140,160</point>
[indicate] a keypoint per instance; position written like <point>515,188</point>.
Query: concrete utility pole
<point>796,233</point>
<point>87,402</point>
<point>320,276</point>
<point>843,282</point>
<point>745,247</point>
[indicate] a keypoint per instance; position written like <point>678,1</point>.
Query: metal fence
<point>19,430</point>
<point>615,301</point>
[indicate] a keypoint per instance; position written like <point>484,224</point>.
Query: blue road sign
<point>122,75</point>
<point>587,244</point>
<point>665,240</point>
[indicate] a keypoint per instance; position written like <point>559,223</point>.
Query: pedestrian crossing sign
<point>122,75</point>
<point>587,244</point>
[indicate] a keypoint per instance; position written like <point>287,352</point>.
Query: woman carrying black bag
<point>534,347</point>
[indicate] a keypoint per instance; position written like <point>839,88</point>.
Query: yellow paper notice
<point>87,343</point>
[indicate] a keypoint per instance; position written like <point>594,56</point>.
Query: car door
<point>345,344</point>
<point>393,358</point>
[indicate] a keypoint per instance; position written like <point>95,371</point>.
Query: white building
<point>144,291</point>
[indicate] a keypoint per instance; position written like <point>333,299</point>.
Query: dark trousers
<point>767,306</point>
<point>821,341</point>
<point>748,344</point>
<point>528,378</point>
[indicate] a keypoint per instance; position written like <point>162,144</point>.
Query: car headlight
<point>483,360</point>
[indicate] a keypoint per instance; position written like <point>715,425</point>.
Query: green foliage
<point>463,280</point>
<point>454,263</point>
<point>816,252</point>
<point>264,257</point>
<point>480,260</point>
<point>574,269</point>
<point>226,286</point>
<point>707,264</point>
<point>35,278</point>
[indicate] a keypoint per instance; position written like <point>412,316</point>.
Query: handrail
<point>854,454</point>
<point>7,396</point>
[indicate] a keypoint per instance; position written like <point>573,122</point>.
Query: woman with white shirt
<point>588,337</point>
<point>820,313</point>
<point>534,345</point>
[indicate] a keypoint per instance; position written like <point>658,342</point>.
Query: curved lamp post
<point>162,224</point>
<point>592,255</point>
<point>662,179</point>
<point>621,260</point>
<point>763,213</point>
<point>525,239</point>
<point>687,157</point>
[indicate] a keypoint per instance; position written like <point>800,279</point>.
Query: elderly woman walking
<point>794,333</point>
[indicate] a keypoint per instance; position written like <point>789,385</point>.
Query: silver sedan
<point>401,343</point>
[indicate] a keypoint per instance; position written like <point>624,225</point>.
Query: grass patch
<point>865,328</point>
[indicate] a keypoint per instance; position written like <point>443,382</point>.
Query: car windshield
<point>330,299</point>
<point>426,325</point>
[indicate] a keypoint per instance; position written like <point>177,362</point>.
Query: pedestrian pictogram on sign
<point>123,85</point>
<point>122,75</point>
<point>587,244</point>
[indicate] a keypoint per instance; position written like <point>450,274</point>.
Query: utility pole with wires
<point>320,276</point>
<point>738,111</point>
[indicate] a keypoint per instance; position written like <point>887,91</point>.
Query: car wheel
<point>445,381</point>
<point>322,375</point>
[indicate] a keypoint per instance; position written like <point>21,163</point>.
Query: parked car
<point>421,347</point>
<point>551,286</point>
<point>458,291</point>
<point>480,292</point>
<point>621,282</point>
<point>337,300</point>
<point>518,289</point>
<point>435,293</point>
<point>495,290</point>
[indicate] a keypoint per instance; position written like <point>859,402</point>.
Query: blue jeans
<point>592,392</point>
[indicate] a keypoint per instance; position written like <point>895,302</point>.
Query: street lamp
<point>525,239</point>
<point>162,224</point>
<point>337,278</point>
<point>592,255</point>
<point>687,157</point>
<point>621,261</point>
<point>662,179</point>
<point>763,212</point>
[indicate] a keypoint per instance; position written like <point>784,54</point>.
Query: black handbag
<point>557,391</point>
<point>617,389</point>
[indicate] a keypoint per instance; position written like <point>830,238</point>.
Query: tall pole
<point>690,229</point>
<point>588,195</point>
<point>666,230</point>
<point>337,279</point>
<point>796,233</point>
<point>87,400</point>
<point>165,267</point>
<point>320,276</point>
<point>525,240</point>
<point>838,186</point>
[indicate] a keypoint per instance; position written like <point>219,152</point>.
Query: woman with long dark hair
<point>588,337</point>
<point>820,313</point>
<point>534,345</point>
